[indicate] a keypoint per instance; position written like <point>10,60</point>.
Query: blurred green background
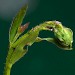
<point>42,58</point>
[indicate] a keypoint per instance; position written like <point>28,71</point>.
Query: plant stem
<point>7,69</point>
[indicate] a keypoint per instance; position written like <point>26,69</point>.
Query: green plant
<point>63,38</point>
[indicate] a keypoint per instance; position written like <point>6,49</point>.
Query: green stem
<point>7,69</point>
<point>38,39</point>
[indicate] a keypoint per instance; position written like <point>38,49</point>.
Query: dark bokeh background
<point>42,58</point>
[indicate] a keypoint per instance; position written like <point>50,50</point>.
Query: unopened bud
<point>21,29</point>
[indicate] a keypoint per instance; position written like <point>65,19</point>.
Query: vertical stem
<point>7,69</point>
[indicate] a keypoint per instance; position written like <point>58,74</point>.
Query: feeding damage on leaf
<point>63,36</point>
<point>18,44</point>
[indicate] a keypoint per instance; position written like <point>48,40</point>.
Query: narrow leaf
<point>17,22</point>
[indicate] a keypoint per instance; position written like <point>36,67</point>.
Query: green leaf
<point>17,54</point>
<point>17,22</point>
